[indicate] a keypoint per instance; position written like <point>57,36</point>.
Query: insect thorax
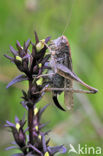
<point>61,49</point>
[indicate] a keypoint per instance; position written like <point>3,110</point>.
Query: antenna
<point>69,18</point>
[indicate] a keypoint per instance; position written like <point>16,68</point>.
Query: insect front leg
<point>45,75</point>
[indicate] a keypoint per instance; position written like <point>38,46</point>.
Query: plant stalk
<point>30,117</point>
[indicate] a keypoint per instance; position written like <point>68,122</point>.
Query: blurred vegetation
<point>84,20</point>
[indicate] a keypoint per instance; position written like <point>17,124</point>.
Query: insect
<point>61,74</point>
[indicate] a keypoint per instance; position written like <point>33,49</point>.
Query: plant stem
<point>30,117</point>
<point>30,124</point>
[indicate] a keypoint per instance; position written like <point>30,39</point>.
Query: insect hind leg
<point>71,90</point>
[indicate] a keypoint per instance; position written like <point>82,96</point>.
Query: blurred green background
<point>82,23</point>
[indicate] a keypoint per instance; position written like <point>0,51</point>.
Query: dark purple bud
<point>19,66</point>
<point>19,136</point>
<point>33,50</point>
<point>25,66</point>
<point>45,58</point>
<point>41,54</point>
<point>35,69</point>
<point>40,71</point>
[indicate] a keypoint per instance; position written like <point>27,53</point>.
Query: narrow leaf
<point>43,125</point>
<point>9,57</point>
<point>35,149</point>
<point>9,124</point>
<point>43,109</point>
<point>55,149</point>
<point>18,154</point>
<point>11,147</point>
<point>14,52</point>
<point>24,93</point>
<point>18,45</point>
<point>44,144</point>
<point>47,39</point>
<point>17,79</point>
<point>26,44</point>
<point>16,119</point>
<point>26,56</point>
<point>36,37</point>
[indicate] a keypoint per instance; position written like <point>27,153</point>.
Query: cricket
<point>61,75</point>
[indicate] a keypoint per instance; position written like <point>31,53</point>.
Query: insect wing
<point>68,96</point>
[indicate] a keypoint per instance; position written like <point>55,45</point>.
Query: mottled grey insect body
<point>60,54</point>
<point>63,76</point>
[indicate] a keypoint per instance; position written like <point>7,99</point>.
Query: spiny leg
<point>68,74</point>
<point>44,75</point>
<point>46,89</point>
<point>70,90</point>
